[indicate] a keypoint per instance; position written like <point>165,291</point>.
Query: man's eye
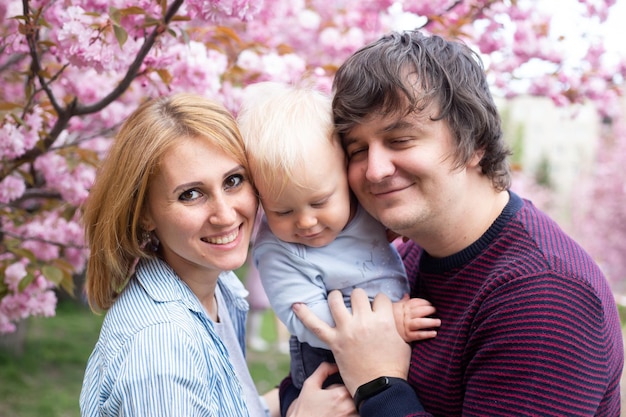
<point>234,181</point>
<point>355,152</point>
<point>400,141</point>
<point>189,195</point>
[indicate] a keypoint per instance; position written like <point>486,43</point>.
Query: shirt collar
<point>163,285</point>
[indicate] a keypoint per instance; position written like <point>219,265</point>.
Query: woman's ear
<point>145,220</point>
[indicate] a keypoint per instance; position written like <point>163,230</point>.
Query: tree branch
<point>42,240</point>
<point>74,108</point>
<point>134,67</point>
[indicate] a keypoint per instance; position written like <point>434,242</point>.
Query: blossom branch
<point>42,240</point>
<point>133,69</point>
<point>74,108</point>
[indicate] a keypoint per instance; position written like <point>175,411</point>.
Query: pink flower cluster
<point>84,50</point>
<point>37,299</point>
<point>17,138</point>
<point>218,10</point>
<point>599,217</point>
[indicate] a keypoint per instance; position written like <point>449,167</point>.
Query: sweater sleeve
<point>397,401</point>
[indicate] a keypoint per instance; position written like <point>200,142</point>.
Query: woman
<point>168,218</point>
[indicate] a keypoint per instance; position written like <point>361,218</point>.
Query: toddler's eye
<point>321,204</point>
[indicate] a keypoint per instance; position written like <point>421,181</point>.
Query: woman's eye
<point>189,195</point>
<point>234,181</point>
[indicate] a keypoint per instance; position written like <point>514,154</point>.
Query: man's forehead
<point>400,118</point>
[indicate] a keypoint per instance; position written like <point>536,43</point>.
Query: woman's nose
<point>222,212</point>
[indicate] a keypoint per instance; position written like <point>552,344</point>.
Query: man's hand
<point>365,342</point>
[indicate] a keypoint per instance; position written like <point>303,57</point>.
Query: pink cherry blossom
<point>56,122</point>
<point>13,274</point>
<point>11,188</point>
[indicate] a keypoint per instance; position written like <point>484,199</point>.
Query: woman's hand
<point>333,401</point>
<point>365,342</point>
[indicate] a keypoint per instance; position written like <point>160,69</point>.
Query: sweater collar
<point>432,264</point>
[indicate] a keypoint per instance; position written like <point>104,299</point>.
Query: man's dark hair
<point>408,71</point>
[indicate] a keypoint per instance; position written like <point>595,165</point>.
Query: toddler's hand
<point>412,321</point>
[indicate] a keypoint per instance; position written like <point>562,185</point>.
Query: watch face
<point>378,383</point>
<point>370,389</point>
<point>374,387</point>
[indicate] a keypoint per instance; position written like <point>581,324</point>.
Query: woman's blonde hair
<point>113,210</point>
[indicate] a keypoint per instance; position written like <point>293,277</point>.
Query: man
<point>529,324</point>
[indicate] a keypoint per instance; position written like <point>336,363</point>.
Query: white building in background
<point>563,138</point>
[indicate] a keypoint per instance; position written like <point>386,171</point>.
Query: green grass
<point>270,367</point>
<point>622,314</point>
<point>46,378</point>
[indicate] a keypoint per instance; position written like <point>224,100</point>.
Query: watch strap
<point>375,386</point>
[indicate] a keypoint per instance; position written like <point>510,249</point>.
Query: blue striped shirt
<point>159,355</point>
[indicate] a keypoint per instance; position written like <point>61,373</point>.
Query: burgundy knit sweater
<point>529,328</point>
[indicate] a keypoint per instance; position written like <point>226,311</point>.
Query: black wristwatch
<point>374,387</point>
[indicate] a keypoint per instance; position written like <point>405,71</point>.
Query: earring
<point>149,241</point>
<point>146,241</point>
